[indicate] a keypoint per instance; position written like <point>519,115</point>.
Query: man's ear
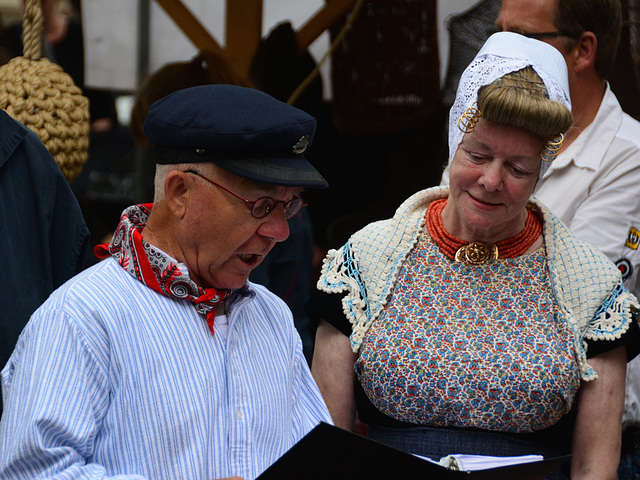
<point>177,189</point>
<point>585,51</point>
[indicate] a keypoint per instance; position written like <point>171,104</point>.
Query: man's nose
<point>275,225</point>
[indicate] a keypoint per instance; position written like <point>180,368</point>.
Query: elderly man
<point>163,361</point>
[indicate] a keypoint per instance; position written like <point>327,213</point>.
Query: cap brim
<point>285,171</point>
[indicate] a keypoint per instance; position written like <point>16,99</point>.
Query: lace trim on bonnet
<point>596,306</point>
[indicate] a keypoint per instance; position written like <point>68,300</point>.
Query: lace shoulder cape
<point>587,286</point>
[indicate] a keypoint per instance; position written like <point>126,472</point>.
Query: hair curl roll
<point>520,99</point>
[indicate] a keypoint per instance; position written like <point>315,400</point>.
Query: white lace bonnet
<point>502,53</point>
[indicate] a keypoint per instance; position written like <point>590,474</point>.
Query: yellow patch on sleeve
<point>633,239</point>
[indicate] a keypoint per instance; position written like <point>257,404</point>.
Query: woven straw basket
<point>40,95</point>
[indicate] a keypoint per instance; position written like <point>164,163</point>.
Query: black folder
<point>331,453</point>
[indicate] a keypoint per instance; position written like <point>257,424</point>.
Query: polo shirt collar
<point>588,150</point>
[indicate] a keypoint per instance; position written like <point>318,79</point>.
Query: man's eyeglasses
<point>264,205</point>
<point>538,35</point>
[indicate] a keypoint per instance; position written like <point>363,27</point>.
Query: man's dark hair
<point>602,17</point>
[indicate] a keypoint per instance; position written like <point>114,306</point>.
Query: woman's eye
<point>519,172</point>
<point>476,157</point>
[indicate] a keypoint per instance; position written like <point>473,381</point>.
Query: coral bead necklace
<point>479,252</point>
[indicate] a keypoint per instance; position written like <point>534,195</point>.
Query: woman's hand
<point>332,369</point>
<point>598,427</point>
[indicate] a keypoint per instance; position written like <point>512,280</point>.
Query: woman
<point>473,321</point>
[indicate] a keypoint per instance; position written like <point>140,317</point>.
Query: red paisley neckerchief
<point>153,267</point>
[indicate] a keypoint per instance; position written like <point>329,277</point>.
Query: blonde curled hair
<point>520,99</point>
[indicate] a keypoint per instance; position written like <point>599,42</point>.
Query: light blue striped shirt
<point>110,380</point>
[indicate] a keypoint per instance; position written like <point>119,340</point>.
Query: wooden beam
<point>244,32</point>
<point>322,20</point>
<point>244,28</point>
<point>190,26</point>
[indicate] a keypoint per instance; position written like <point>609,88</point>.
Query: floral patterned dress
<point>462,345</point>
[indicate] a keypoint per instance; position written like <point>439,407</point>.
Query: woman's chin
<point>480,226</point>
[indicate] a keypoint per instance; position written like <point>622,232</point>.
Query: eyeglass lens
<point>263,206</point>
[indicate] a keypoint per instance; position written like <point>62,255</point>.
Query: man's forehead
<point>526,15</point>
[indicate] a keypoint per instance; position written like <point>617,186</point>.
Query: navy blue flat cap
<point>244,131</point>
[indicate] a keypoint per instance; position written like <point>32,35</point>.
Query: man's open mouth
<point>248,257</point>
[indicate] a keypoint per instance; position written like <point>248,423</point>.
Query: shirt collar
<point>236,296</point>
<point>588,150</point>
<point>12,135</point>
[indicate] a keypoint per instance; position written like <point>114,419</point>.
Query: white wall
<point>111,38</point>
<point>111,25</point>
<point>446,8</point>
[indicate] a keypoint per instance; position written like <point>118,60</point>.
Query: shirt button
<point>239,414</point>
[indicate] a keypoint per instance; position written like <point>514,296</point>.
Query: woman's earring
<point>468,120</point>
<point>552,148</point>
